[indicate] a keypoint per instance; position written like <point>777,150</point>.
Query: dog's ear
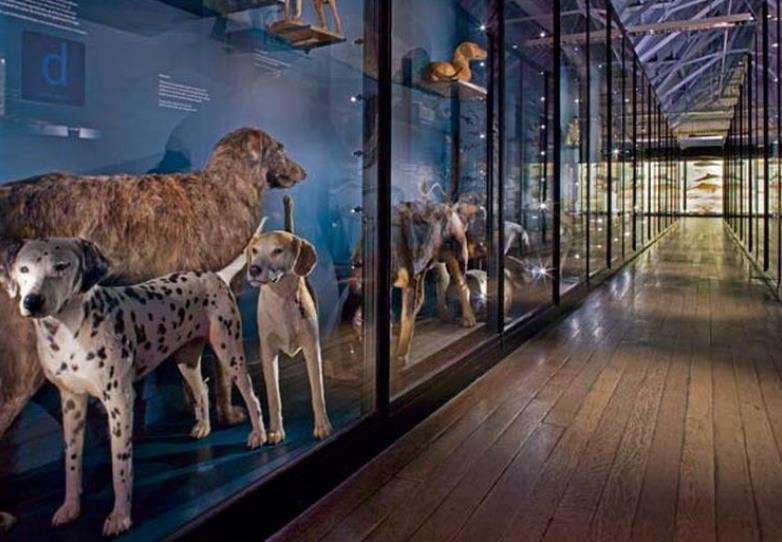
<point>8,253</point>
<point>94,264</point>
<point>306,260</point>
<point>252,143</point>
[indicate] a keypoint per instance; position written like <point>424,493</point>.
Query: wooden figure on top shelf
<point>442,76</point>
<point>302,35</point>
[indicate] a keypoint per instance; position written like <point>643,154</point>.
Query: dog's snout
<point>255,270</point>
<point>33,302</point>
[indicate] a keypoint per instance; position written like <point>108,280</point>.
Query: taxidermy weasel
<point>459,68</point>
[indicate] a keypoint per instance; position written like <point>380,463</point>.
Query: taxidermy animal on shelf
<point>148,226</point>
<point>459,68</point>
<point>318,9</point>
<point>96,341</point>
<point>278,263</point>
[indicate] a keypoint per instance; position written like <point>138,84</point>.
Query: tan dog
<point>278,263</point>
<point>319,10</point>
<point>459,68</point>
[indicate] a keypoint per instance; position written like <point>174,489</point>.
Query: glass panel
<point>529,147</point>
<point>170,121</point>
<point>573,146</point>
<point>775,94</point>
<point>598,126</point>
<point>616,120</point>
<point>439,180</point>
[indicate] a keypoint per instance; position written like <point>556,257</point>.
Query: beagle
<point>278,263</point>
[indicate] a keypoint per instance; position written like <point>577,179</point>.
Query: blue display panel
<point>137,100</point>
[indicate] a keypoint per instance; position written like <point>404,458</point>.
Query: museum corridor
<point>652,412</point>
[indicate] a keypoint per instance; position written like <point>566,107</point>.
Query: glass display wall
<point>751,163</point>
<point>335,215</point>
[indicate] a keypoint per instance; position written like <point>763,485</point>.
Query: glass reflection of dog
<point>96,341</point>
<point>278,263</point>
<point>427,235</point>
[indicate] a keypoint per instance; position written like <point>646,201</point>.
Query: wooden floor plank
<point>613,519</point>
<point>652,412</point>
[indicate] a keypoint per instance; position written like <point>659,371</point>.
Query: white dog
<point>278,263</point>
<point>96,341</point>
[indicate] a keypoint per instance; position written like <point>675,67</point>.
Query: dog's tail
<point>229,272</point>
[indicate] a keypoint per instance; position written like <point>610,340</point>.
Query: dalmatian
<point>96,341</point>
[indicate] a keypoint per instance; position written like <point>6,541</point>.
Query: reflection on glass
<point>439,219</point>
<point>179,128</point>
<point>529,148</point>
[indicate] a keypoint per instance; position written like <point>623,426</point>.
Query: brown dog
<point>427,235</point>
<point>148,226</point>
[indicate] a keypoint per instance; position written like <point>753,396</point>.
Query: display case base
<point>301,35</point>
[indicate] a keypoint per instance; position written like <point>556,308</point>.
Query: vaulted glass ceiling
<point>694,52</point>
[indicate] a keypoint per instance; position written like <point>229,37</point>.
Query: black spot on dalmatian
<point>90,356</point>
<point>161,329</point>
<point>102,352</point>
<point>69,405</point>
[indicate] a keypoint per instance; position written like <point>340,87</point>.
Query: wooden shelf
<point>301,35</point>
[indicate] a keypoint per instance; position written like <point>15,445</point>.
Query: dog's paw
<point>256,439</point>
<point>117,522</point>
<point>469,321</point>
<point>322,430</point>
<point>201,430</point>
<point>66,513</point>
<point>235,414</point>
<point>6,521</point>
<point>275,437</point>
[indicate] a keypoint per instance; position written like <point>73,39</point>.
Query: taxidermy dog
<point>96,341</point>
<point>427,235</point>
<point>319,10</point>
<point>148,226</point>
<point>278,263</point>
<point>459,68</point>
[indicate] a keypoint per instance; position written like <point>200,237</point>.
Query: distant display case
<point>751,163</point>
<point>370,202</point>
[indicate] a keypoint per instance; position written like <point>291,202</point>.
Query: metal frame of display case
<point>750,148</point>
<point>288,491</point>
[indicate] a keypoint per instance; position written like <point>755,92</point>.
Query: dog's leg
<point>74,411</point>
<point>297,13</point>
<point>227,412</point>
<point>335,14</point>
<point>119,406</point>
<point>321,13</point>
<point>407,324</point>
<point>271,376</point>
<point>443,280</point>
<point>188,360</point>
<point>230,353</point>
<point>314,362</point>
<point>456,270</point>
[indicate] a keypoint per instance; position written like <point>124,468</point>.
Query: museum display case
<point>346,211</point>
<point>751,164</point>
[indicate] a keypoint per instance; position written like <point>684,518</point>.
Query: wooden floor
<point>653,412</point>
